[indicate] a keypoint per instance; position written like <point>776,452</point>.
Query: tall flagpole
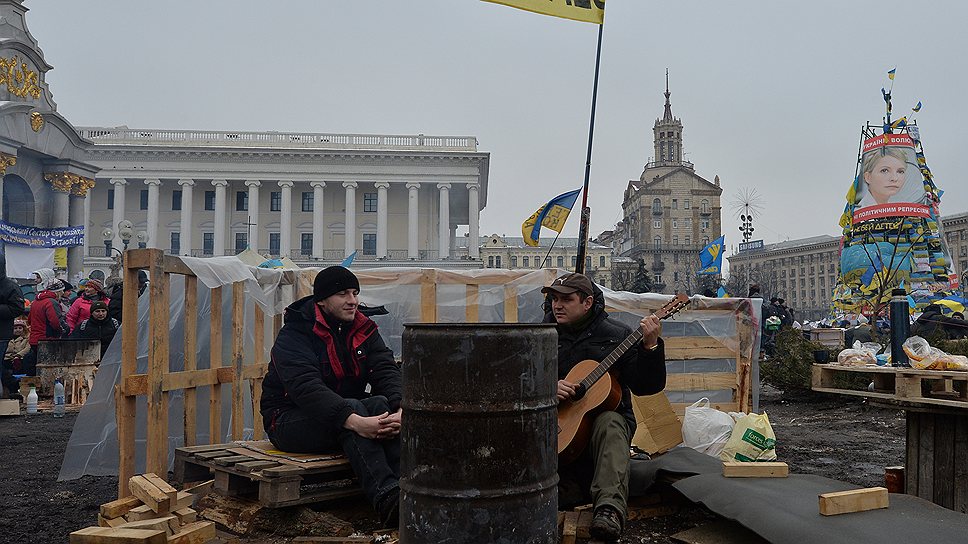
<point>585,210</point>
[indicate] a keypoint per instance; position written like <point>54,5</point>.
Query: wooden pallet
<point>935,387</point>
<point>277,482</point>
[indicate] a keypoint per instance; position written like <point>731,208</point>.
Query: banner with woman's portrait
<point>890,182</point>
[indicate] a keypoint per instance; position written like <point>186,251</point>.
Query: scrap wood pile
<point>154,513</point>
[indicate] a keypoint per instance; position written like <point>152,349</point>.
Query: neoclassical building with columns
<point>394,200</point>
<point>316,198</point>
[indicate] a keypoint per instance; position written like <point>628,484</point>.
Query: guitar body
<point>575,417</point>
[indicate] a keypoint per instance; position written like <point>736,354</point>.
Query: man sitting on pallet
<point>314,395</point>
<point>586,332</point>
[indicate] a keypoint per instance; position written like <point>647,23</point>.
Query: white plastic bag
<point>706,429</point>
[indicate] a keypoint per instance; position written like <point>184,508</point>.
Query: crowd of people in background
<point>58,311</point>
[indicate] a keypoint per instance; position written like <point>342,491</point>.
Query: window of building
<point>803,282</point>
<point>657,242</point>
<point>823,281</point>
<point>803,271</point>
<point>601,261</point>
<point>588,262</point>
<point>574,261</point>
<point>306,243</point>
<point>657,278</point>
<point>675,276</point>
<point>964,251</point>
<point>369,244</point>
<point>176,197</point>
<point>803,293</point>
<point>813,293</point>
<point>241,241</point>
<point>812,271</point>
<point>675,223</point>
<point>687,223</point>
<point>812,282</point>
<point>241,201</point>
<point>144,199</point>
<point>175,243</point>
<point>685,204</point>
<point>514,261</point>
<point>688,240</point>
<point>490,261</point>
<point>675,204</point>
<point>675,258</point>
<point>497,261</point>
<point>675,240</point>
<point>964,235</point>
<point>307,201</point>
<point>110,199</point>
<point>704,206</point>
<point>704,224</point>
<point>275,201</point>
<point>657,224</point>
<point>782,273</point>
<point>208,243</point>
<point>274,244</point>
<point>525,261</point>
<point>369,202</point>
<point>561,262</point>
<point>209,200</point>
<point>656,205</point>
<point>662,135</point>
<point>705,241</point>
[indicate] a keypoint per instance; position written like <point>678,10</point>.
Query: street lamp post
<point>142,239</point>
<point>125,230</point>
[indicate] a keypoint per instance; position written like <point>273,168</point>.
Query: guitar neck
<point>607,362</point>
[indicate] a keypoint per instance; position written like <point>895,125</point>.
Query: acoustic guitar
<point>597,390</point>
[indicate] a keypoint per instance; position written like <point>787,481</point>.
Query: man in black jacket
<point>314,395</point>
<point>97,327</point>
<point>11,307</point>
<point>586,332</point>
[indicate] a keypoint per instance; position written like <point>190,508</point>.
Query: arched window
<point>705,241</point>
<point>704,206</point>
<point>658,242</point>
<point>18,201</point>
<point>561,262</point>
<point>656,206</point>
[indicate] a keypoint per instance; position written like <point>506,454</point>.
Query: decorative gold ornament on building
<point>19,80</point>
<point>36,121</point>
<point>64,182</point>
<point>6,161</point>
<point>82,186</point>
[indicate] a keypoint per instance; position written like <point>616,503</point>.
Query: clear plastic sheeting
<point>93,446</point>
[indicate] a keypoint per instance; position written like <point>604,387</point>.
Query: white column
<point>253,218</point>
<point>381,219</point>
<point>413,204</point>
<point>89,235</point>
<point>318,218</point>
<point>473,221</point>
<point>349,242</point>
<point>219,228</point>
<point>285,220</point>
<point>444,230</point>
<point>119,184</point>
<point>75,254</point>
<point>154,194</point>
<point>185,229</point>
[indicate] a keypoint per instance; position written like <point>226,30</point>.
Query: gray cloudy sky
<point>772,94</point>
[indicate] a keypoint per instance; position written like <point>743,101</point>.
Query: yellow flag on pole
<point>586,11</point>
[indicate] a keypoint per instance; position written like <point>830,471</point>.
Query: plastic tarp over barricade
<point>728,327</point>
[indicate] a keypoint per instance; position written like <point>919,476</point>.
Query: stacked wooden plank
<point>948,388</point>
<point>154,513</point>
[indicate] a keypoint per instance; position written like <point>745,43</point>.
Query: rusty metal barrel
<point>479,436</point>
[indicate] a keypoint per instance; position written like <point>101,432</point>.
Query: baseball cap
<point>569,283</point>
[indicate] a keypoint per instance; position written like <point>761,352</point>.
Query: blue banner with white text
<point>20,235</point>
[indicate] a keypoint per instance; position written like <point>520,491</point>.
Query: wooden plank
<point>255,389</point>
<point>190,422</point>
<point>119,507</point>
<point>335,539</point>
<point>184,499</point>
<point>186,515</point>
<point>960,503</point>
<point>175,265</point>
<point>112,535</point>
<point>648,512</point>
<point>510,303</point>
<point>699,381</point>
<point>125,406</point>
<point>9,407</point>
<point>110,522</point>
<point>258,464</point>
<point>569,531</point>
<point>733,469</point>
<point>198,532</point>
<point>925,467</point>
<point>471,307</point>
<point>162,485</point>
<point>201,488</point>
<point>156,524</point>
<point>232,459</point>
<point>585,517</point>
<point>944,460</point>
<point>238,357</point>
<point>855,500</point>
<point>154,498</point>
<point>156,442</point>
<point>141,512</point>
<point>428,296</point>
<point>911,456</point>
<point>189,380</point>
<point>215,361</point>
<point>209,455</point>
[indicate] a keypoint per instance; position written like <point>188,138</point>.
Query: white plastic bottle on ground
<point>32,400</point>
<point>58,399</point>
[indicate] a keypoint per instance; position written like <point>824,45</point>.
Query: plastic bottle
<point>32,400</point>
<point>58,399</point>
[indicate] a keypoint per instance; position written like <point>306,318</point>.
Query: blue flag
<point>552,215</point>
<point>721,293</point>
<point>348,261</point>
<point>711,257</point>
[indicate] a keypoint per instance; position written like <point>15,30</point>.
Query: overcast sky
<point>772,94</point>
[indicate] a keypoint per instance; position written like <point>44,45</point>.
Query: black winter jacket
<point>639,371</point>
<point>11,301</point>
<point>302,374</point>
<point>92,329</point>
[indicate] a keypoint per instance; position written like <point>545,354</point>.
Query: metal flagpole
<point>585,210</point>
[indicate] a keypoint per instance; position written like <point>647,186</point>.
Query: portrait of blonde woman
<point>890,175</point>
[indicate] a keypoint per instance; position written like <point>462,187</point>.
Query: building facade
<point>955,231</point>
<point>512,253</point>
<point>670,213</point>
<point>316,198</point>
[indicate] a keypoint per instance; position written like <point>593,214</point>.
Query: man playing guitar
<point>586,332</point>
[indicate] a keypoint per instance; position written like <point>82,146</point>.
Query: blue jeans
<point>375,462</point>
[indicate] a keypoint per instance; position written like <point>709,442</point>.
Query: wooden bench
<point>275,481</point>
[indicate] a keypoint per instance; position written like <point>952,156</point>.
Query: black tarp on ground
<point>786,511</point>
<point>680,462</point>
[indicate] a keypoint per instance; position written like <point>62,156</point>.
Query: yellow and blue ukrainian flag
<point>553,215</point>
<point>711,257</point>
<point>890,73</point>
<point>592,11</point>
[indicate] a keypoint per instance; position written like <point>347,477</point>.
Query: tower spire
<point>667,115</point>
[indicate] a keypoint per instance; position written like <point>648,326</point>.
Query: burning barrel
<point>479,438</point>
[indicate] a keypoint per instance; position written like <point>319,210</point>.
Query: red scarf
<point>361,329</point>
